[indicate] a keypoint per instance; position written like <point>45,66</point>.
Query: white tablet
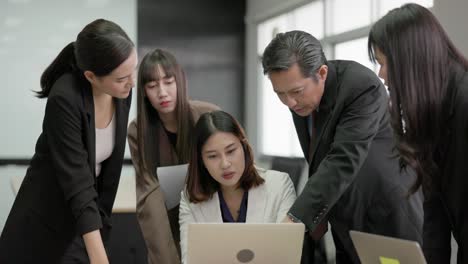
<point>172,182</point>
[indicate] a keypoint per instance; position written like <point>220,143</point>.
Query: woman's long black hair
<point>420,60</point>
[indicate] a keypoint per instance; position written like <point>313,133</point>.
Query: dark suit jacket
<point>353,178</point>
<point>446,207</point>
<point>60,196</point>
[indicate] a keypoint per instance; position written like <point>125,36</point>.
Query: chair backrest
<point>292,166</point>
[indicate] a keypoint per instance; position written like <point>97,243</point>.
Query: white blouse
<point>105,141</point>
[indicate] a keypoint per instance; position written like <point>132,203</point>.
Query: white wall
<point>32,34</point>
<point>452,15</point>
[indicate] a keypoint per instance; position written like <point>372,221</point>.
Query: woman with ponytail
<point>63,208</point>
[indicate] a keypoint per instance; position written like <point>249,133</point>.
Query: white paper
<point>172,182</point>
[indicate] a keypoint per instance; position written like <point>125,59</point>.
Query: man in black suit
<point>340,113</point>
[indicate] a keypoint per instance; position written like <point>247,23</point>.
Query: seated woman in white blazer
<point>223,185</point>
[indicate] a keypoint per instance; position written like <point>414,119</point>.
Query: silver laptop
<point>386,250</point>
<point>244,243</point>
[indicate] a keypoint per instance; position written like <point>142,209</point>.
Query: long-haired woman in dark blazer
<point>63,208</point>
<point>428,81</point>
<point>160,136</point>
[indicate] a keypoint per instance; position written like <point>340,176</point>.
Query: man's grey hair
<point>294,47</point>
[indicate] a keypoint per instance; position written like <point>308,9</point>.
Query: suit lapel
<point>121,115</point>
<point>325,109</point>
<point>320,123</point>
<point>90,130</point>
<point>210,211</point>
<point>256,204</point>
<point>322,117</point>
<point>300,124</point>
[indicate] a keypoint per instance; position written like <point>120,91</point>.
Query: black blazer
<point>354,178</point>
<point>446,207</point>
<point>60,196</point>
